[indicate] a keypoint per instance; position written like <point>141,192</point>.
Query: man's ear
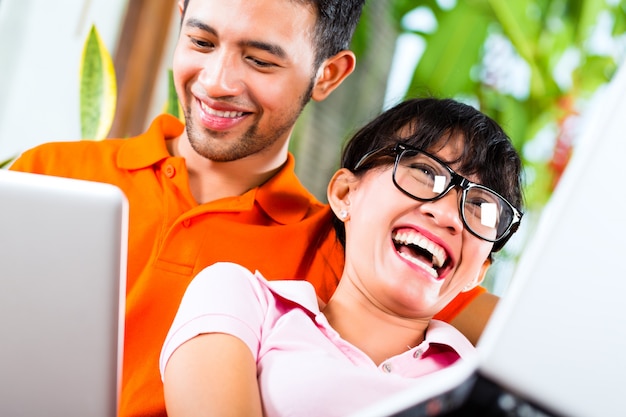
<point>338,191</point>
<point>332,73</point>
<point>480,277</point>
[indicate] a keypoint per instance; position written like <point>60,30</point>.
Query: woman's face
<point>407,257</point>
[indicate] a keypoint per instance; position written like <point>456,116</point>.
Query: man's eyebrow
<point>196,23</point>
<point>264,46</point>
<point>269,47</point>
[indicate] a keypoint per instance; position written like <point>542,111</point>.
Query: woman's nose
<point>445,211</point>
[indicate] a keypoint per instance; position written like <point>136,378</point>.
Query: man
<point>223,188</point>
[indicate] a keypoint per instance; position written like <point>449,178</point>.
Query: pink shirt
<point>304,367</point>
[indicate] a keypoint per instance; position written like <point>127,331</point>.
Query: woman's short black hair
<point>428,124</point>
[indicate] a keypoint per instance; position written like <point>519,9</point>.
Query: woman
<point>427,191</point>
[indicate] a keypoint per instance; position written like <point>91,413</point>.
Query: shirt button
<point>186,222</point>
<point>387,368</point>
<point>170,171</point>
<point>418,353</point>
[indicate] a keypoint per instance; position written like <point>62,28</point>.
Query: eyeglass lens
<point>485,213</point>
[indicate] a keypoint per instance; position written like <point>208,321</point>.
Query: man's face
<point>243,71</point>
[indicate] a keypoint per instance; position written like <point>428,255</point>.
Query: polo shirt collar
<point>444,333</point>
<point>300,293</point>
<point>282,197</point>
<point>303,295</point>
<point>149,148</point>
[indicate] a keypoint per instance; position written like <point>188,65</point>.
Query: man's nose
<point>222,74</point>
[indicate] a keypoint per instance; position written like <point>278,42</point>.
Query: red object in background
<point>564,141</point>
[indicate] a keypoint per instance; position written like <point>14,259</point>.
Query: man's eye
<point>260,63</point>
<point>201,44</point>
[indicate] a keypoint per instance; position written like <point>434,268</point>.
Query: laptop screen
<point>62,268</point>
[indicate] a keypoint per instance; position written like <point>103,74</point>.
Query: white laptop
<point>556,344</point>
<point>62,285</point>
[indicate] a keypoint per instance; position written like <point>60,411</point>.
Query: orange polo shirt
<point>278,228</point>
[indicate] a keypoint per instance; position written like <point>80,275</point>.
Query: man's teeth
<point>218,113</point>
<point>414,238</point>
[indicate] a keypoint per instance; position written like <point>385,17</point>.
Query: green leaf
<point>173,105</point>
<point>512,114</point>
<point>451,53</point>
<point>537,192</point>
<point>594,72</point>
<point>98,88</point>
<point>619,13</point>
<point>520,26</point>
<point>517,27</point>
<point>589,12</point>
<point>6,163</point>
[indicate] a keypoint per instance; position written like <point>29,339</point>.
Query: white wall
<point>160,92</point>
<point>40,48</point>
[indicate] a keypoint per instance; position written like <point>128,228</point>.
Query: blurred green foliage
<point>466,57</point>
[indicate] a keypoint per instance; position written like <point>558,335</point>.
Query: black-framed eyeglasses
<point>424,177</point>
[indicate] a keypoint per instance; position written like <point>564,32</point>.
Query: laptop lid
<point>558,338</point>
<point>62,273</point>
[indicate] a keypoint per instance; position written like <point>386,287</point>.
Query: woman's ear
<point>480,277</point>
<point>332,73</point>
<point>338,192</point>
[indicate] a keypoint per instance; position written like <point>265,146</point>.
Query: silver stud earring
<point>343,214</point>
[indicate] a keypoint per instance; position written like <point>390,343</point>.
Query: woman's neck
<point>378,333</point>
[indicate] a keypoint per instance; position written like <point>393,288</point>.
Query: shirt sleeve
<point>29,161</point>
<point>222,298</point>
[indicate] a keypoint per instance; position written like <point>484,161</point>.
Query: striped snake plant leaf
<point>98,88</point>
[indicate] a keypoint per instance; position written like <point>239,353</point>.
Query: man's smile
<point>220,113</point>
